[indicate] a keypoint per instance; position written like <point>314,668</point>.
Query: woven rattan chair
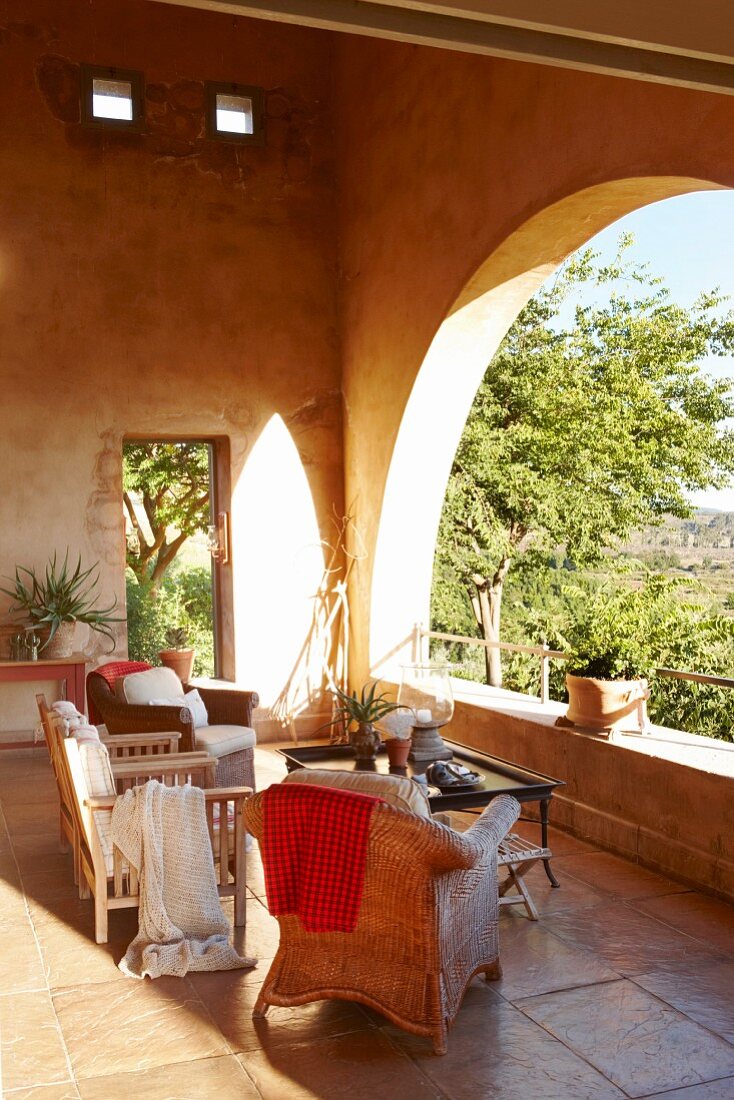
<point>427,924</point>
<point>225,708</point>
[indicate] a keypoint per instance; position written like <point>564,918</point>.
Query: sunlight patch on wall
<point>278,562</point>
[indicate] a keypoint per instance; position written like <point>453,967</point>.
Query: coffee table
<point>497,777</point>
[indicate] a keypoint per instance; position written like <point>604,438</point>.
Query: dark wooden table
<point>497,777</point>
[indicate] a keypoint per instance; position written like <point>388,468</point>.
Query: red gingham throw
<point>314,847</point>
<point>110,672</point>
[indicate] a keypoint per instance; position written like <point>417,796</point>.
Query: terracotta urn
<point>180,660</point>
<point>606,705</point>
<point>365,741</point>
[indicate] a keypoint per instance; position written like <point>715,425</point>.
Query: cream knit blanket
<point>162,832</point>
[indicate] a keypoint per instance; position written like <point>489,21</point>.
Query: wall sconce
<point>217,539</point>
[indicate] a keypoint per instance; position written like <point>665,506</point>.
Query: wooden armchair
<point>86,812</point>
<point>427,923</point>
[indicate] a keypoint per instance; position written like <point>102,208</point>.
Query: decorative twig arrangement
<point>323,661</point>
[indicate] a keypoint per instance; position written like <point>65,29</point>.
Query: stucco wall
<point>161,283</point>
<point>442,158</point>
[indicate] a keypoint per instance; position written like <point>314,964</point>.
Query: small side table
<point>69,670</point>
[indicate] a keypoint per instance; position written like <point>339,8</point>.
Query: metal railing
<point>546,654</point>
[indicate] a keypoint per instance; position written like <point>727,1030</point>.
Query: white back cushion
<point>155,683</point>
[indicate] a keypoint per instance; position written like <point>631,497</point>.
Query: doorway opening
<point>175,546</point>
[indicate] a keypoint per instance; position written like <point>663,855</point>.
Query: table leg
<point>544,803</point>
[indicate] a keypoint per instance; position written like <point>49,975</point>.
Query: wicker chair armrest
<point>227,707</point>
<point>134,718</point>
<point>494,823</point>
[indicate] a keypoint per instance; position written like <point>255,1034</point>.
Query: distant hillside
<point>707,530</point>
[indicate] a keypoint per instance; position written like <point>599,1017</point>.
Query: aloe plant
<point>177,638</point>
<point>62,595</point>
<point>368,706</point>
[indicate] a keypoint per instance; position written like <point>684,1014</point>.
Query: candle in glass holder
<point>424,716</point>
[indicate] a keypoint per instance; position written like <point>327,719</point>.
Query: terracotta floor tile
<point>32,1047</point>
<point>35,817</point>
<point>713,1090</point>
<point>705,995</point>
<point>560,843</point>
<point>535,961</point>
<point>628,940</point>
<point>221,1078</point>
<point>67,1091</point>
<point>121,1027</point>
<point>361,1066</point>
<point>495,1051</point>
<point>571,894</point>
<point>231,998</point>
<point>620,877</point>
<point>69,952</point>
<point>635,1040</point>
<point>21,968</point>
<point>705,918</point>
<point>50,884</point>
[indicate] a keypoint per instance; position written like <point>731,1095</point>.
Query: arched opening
<point>445,387</point>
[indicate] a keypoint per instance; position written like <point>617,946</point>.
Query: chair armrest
<point>227,707</point>
<point>131,718</point>
<point>101,801</point>
<point>168,741</point>
<point>153,767</point>
<point>495,821</point>
<point>218,794</point>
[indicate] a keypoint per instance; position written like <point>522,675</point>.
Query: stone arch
<point>447,381</point>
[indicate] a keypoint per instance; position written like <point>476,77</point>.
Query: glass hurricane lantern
<point>426,691</point>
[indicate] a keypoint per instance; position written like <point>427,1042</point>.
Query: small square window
<point>112,98</point>
<point>234,113</point>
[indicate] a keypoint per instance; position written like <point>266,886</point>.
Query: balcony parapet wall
<point>632,795</point>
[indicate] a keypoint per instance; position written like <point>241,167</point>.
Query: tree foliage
<point>168,484</point>
<point>588,423</point>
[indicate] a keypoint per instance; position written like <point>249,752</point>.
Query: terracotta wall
<point>442,157</point>
<point>158,283</point>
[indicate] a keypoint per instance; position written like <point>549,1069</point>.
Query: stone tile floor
<point>625,987</point>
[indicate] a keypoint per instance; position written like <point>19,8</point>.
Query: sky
<point>689,240</point>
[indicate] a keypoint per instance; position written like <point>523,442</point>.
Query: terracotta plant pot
<point>365,741</point>
<point>61,645</point>
<point>398,749</point>
<point>607,705</point>
<point>180,660</point>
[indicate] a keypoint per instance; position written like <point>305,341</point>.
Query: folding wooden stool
<point>518,855</point>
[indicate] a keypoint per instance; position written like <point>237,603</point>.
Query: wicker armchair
<point>225,708</point>
<point>427,924</point>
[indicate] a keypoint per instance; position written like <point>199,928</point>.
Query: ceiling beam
<point>518,43</point>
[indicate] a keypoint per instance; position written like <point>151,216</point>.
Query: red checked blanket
<point>110,672</point>
<point>314,847</point>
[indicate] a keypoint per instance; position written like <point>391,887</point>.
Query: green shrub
<point>183,601</point>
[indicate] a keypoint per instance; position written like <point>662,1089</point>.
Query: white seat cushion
<point>221,741</point>
<point>397,790</point>
<point>155,683</point>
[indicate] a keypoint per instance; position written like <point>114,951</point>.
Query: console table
<point>69,670</point>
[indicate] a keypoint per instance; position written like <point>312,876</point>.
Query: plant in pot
<point>178,655</point>
<point>358,714</point>
<point>57,599</point>
<point>398,725</point>
<point>610,657</point>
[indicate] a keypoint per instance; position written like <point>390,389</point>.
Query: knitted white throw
<point>162,832</point>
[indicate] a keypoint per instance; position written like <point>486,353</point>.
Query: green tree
<point>584,429</point>
<point>169,482</point>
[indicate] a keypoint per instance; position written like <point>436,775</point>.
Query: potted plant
<point>610,658</point>
<point>57,599</point>
<point>178,655</point>
<point>358,714</point>
<point>398,725</point>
